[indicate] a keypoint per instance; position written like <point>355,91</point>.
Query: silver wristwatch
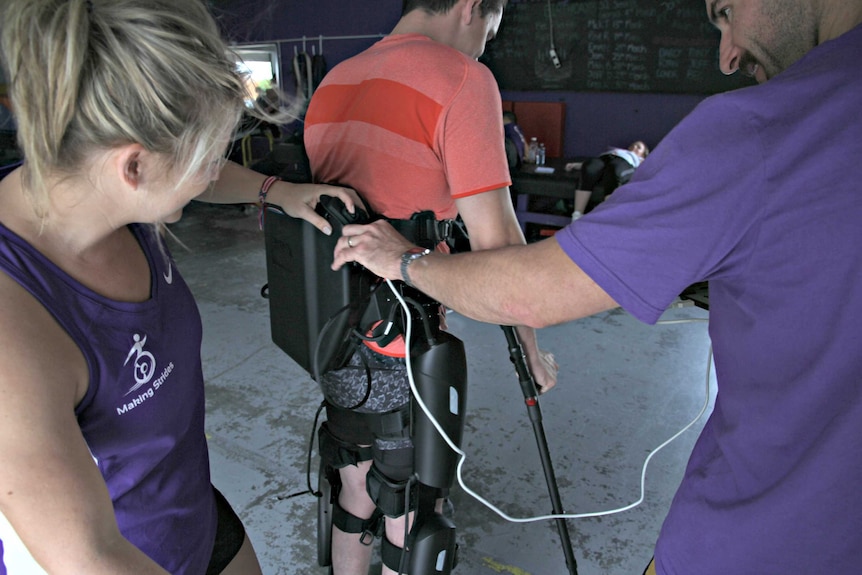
<point>408,258</point>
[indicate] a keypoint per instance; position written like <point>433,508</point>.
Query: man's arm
<point>490,220</point>
<point>534,285</point>
<point>491,223</point>
<point>239,185</point>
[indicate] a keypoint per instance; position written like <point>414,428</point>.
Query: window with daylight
<point>261,64</point>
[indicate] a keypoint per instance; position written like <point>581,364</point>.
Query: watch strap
<point>408,258</point>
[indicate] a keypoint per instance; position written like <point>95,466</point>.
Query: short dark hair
<point>443,6</point>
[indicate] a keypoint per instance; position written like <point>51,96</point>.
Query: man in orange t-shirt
<point>413,124</point>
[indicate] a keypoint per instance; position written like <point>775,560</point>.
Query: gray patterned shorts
<point>383,379</point>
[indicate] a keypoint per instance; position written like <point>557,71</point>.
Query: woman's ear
<point>130,164</point>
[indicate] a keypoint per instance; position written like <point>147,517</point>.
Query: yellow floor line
<point>500,568</point>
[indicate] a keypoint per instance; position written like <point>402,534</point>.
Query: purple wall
<point>594,120</point>
<point>247,21</point>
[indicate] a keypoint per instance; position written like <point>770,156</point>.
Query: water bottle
<point>540,155</point>
<point>532,151</point>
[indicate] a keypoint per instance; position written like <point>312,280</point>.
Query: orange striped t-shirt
<point>411,124</point>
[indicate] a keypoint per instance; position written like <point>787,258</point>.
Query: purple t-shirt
<point>143,414</point>
<point>758,191</point>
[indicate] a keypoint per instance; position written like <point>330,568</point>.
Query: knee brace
<point>335,454</point>
<point>387,492</point>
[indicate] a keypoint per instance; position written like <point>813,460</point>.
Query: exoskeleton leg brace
<point>439,370</point>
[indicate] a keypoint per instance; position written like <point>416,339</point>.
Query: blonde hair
<point>88,75</point>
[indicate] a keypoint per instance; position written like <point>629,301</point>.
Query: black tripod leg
<point>531,399</point>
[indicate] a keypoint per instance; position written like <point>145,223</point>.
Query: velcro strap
<point>390,555</point>
<point>391,425</point>
<point>388,495</point>
<point>338,453</point>
<point>349,523</point>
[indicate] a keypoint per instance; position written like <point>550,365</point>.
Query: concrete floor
<point>624,388</point>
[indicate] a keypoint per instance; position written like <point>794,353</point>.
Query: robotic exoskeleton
<point>415,475</point>
<point>320,318</point>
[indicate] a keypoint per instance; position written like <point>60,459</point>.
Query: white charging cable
<point>408,328</point>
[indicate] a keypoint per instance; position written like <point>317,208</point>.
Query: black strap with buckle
<point>424,229</point>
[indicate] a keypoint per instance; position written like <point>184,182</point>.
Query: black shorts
<point>230,535</point>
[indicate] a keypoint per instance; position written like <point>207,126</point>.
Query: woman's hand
<point>299,201</point>
<point>238,185</point>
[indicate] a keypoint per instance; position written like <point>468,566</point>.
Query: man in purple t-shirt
<point>757,192</point>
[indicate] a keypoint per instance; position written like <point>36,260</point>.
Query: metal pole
<point>531,399</point>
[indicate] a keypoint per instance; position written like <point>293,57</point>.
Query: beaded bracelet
<point>261,196</point>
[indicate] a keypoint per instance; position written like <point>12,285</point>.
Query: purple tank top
<point>143,414</point>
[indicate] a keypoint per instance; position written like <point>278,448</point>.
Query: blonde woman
<point>124,110</point>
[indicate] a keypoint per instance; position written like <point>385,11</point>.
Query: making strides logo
<point>143,368</point>
<point>145,363</point>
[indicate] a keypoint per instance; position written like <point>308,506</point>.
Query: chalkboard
<point>609,45</point>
